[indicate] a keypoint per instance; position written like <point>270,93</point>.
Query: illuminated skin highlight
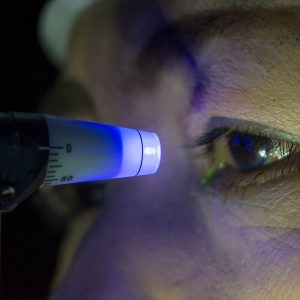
<point>161,236</point>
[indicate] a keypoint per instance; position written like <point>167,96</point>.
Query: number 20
<point>67,178</point>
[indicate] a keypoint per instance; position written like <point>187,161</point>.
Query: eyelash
<point>206,142</point>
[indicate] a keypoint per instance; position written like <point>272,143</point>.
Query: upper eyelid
<point>223,124</point>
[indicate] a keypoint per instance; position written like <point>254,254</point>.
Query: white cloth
<point>55,27</point>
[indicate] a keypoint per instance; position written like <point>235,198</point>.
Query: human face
<point>167,236</point>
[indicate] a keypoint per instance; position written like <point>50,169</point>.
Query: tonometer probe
<point>39,150</point>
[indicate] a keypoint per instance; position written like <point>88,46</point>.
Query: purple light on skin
<point>282,243</point>
<point>199,89</point>
<point>184,52</point>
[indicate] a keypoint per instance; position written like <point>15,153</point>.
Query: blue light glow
<point>99,151</point>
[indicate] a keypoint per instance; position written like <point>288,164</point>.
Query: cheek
<point>273,204</point>
<point>261,228</point>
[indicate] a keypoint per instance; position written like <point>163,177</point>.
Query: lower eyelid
<point>231,180</point>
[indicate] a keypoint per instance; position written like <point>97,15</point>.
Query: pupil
<point>248,151</point>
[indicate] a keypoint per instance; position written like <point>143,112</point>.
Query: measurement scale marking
<point>51,180</point>
<point>51,147</point>
<point>51,172</point>
<point>55,166</point>
<point>53,154</point>
<point>50,177</point>
<point>53,160</point>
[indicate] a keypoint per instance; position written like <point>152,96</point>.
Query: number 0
<point>69,148</point>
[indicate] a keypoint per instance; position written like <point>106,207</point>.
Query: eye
<point>248,152</point>
<point>247,158</point>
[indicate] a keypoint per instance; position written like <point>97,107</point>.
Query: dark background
<point>28,246</point>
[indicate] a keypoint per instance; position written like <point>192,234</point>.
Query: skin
<point>166,236</point>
